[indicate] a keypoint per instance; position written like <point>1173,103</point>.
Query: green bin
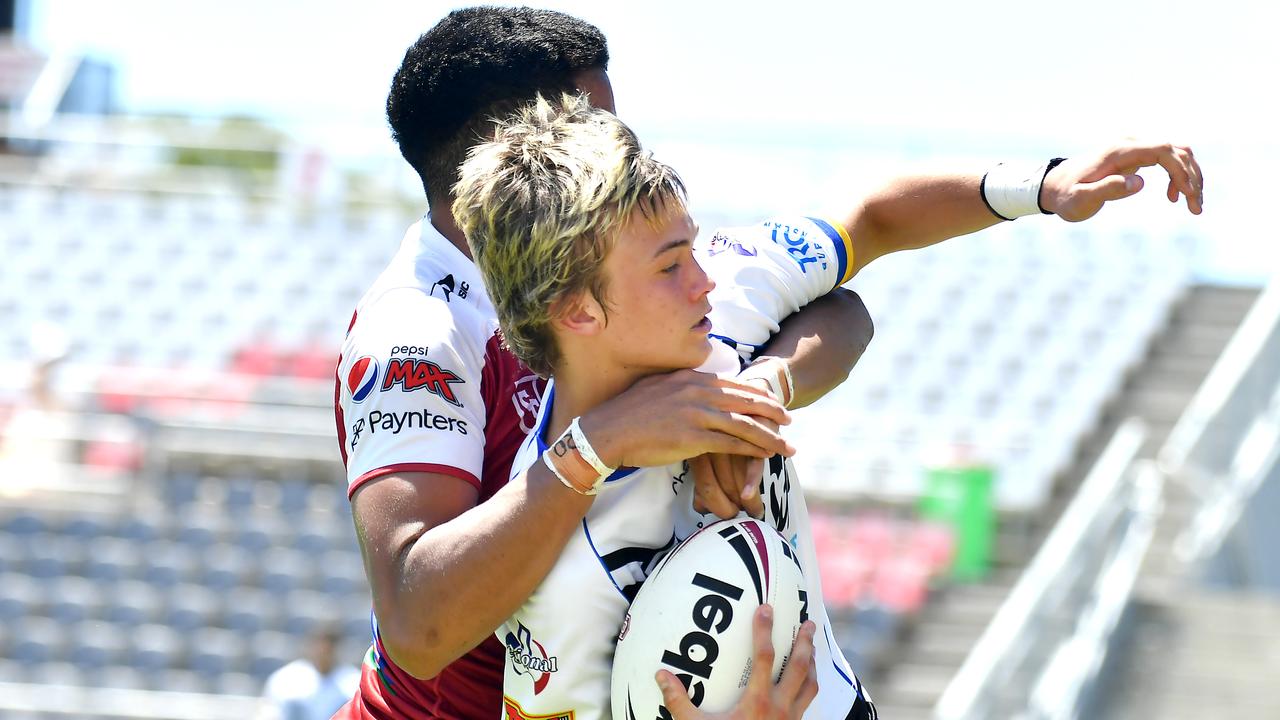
<point>960,496</point>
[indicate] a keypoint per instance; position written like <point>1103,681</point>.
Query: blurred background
<point>1045,491</point>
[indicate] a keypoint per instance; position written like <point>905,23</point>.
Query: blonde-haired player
<point>587,247</point>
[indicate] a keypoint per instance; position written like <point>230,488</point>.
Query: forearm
<point>915,212</point>
<point>821,343</point>
<point>455,583</point>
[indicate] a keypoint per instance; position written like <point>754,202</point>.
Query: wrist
<point>609,442</point>
<point>1013,191</point>
<point>774,375</point>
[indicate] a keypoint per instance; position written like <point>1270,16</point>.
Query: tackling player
<point>430,409</point>
<point>588,251</point>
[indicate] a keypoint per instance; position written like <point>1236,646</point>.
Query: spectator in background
<point>312,687</point>
<point>35,436</point>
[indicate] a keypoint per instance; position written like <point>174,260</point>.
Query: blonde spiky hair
<point>541,205</point>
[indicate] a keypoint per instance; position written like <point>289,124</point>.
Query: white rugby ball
<point>693,617</point>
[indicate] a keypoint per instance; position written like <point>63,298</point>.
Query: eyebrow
<point>676,243</point>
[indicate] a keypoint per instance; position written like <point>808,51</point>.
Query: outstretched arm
<point>919,211</point>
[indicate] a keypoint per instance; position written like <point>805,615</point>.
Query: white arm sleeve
<point>765,272</point>
<point>409,395</point>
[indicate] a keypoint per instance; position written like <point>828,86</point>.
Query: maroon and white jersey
<point>423,385</point>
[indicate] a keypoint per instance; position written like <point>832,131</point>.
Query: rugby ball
<point>693,617</point>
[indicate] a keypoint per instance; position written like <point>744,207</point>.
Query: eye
<point>670,268</point>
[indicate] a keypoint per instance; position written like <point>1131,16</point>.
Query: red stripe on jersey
<point>413,467</point>
<point>338,415</point>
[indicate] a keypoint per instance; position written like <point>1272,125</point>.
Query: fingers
<point>761,679</point>
<point>1177,161</point>
<point>746,399</point>
<point>675,696</point>
<point>753,474</point>
<point>714,490</point>
<point>796,674</point>
<point>1113,187</point>
<point>752,430</point>
<point>700,468</point>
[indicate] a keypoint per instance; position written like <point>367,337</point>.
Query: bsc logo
<point>363,378</point>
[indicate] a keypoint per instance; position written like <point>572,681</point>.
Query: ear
<point>578,314</point>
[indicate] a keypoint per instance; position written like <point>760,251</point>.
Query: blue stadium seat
<point>41,640</point>
<point>120,677</point>
<point>269,651</point>
<point>112,560</point>
<point>83,528</point>
<point>12,551</point>
<point>61,673</point>
<point>250,610</point>
<point>191,607</point>
<point>74,599</point>
<point>20,596</point>
<point>155,648</point>
<point>282,570</point>
<point>342,574</point>
<point>187,681</point>
<point>215,651</point>
<point>52,556</point>
<point>97,645</point>
<point>305,609</point>
<point>133,603</point>
<point>139,528</point>
<point>168,564</point>
<point>238,683</point>
<point>226,567</point>
<point>24,523</point>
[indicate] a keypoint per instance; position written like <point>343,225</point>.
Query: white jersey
<point>423,385</point>
<point>560,643</point>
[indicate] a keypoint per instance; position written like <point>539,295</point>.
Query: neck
<point>442,221</point>
<point>581,385</point>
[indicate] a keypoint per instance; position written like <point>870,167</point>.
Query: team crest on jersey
<point>527,397</point>
<point>515,712</point>
<point>530,658</point>
<point>362,378</point>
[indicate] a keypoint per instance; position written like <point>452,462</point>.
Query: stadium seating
<point>209,597</point>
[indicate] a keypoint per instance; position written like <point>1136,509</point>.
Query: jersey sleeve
<point>765,272</point>
<point>409,396</point>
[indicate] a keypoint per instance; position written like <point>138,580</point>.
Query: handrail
<point>982,671</point>
<point>76,701</point>
<point>1231,394</point>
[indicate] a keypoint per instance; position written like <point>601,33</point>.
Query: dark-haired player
<point>430,408</point>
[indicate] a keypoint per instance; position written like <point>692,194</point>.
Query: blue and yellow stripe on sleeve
<point>843,245</point>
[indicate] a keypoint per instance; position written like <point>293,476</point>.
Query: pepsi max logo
<point>363,378</point>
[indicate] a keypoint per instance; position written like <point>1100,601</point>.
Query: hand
<point>675,416</point>
<point>1078,188</point>
<point>724,484</point>
<point>762,700</point>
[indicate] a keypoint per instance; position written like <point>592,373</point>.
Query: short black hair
<point>477,64</point>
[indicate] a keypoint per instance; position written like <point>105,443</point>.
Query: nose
<point>702,282</point>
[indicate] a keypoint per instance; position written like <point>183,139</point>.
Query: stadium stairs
<point>1157,391</point>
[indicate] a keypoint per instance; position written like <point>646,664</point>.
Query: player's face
<point>656,295</point>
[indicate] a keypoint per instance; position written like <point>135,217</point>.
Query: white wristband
<point>777,375</point>
<point>588,452</point>
<point>1013,191</point>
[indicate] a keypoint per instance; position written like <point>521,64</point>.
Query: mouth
<point>703,325</point>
